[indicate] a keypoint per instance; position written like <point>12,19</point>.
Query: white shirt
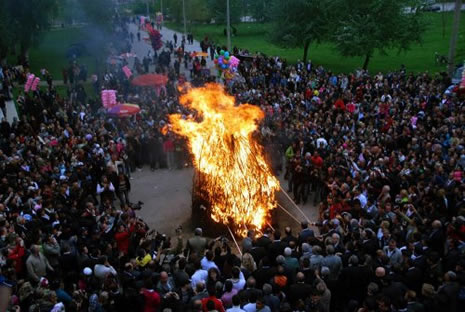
<point>363,200</point>
<point>250,307</point>
<point>239,284</point>
<point>207,265</point>
<point>321,142</point>
<point>198,276</point>
<point>101,271</point>
<point>235,309</point>
<point>100,188</point>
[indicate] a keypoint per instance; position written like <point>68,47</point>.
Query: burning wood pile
<point>232,176</point>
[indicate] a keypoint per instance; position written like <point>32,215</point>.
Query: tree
<point>377,25</point>
<point>27,21</point>
<point>299,23</point>
<point>218,10</point>
<point>196,10</point>
<point>259,10</point>
<point>99,13</point>
<point>70,11</point>
<point>6,38</point>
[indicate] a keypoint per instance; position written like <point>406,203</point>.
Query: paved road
<point>167,200</point>
<point>11,112</point>
<point>142,48</point>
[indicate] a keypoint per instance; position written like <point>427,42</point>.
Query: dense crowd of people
<point>381,156</point>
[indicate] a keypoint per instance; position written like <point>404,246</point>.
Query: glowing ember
<point>238,181</point>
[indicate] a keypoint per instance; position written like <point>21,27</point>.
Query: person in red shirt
<point>122,238</point>
<point>168,148</point>
<point>212,297</point>
<point>339,104</point>
<point>351,107</point>
<point>151,297</point>
<point>16,254</point>
<point>317,161</point>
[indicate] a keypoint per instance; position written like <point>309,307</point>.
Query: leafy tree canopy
<point>377,25</point>
<point>27,19</point>
<point>298,23</point>
<point>218,10</point>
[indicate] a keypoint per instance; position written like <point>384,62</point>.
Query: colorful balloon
<point>234,61</point>
<point>226,54</point>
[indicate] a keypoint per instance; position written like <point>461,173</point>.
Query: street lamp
<point>161,9</point>
<point>228,25</point>
<point>184,16</point>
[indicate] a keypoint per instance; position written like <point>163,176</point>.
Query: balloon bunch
<point>155,37</point>
<point>222,61</point>
<point>108,98</point>
<point>32,83</point>
<point>234,62</point>
<point>226,63</point>
<point>127,71</point>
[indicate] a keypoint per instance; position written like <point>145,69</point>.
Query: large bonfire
<point>236,178</point>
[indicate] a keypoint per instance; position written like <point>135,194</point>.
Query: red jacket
<point>168,146</point>
<point>317,161</point>
<point>17,255</point>
<point>122,240</point>
<point>218,304</point>
<point>339,104</point>
<point>151,300</point>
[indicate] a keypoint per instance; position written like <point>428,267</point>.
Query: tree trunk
<point>23,54</point>
<point>306,46</point>
<point>367,60</point>
<point>3,56</point>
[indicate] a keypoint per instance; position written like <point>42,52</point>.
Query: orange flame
<point>240,185</point>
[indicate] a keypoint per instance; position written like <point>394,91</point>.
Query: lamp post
<point>184,16</point>
<point>228,25</point>
<point>454,37</point>
<point>162,16</point>
<point>147,7</point>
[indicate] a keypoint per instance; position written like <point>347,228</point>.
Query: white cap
<point>87,271</point>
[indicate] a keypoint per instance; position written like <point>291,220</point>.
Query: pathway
<point>142,48</point>
<point>11,112</point>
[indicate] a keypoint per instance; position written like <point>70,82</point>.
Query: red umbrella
<point>124,110</point>
<point>150,80</point>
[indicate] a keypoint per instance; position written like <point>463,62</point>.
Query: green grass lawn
<point>51,51</point>
<point>253,36</point>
